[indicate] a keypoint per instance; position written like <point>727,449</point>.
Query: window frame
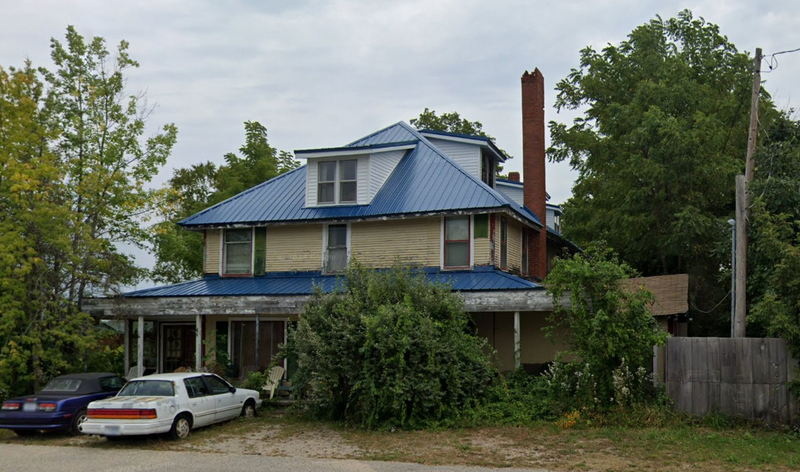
<point>325,237</point>
<point>337,182</point>
<point>444,242</point>
<point>224,250</point>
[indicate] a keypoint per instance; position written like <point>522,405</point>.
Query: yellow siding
<point>514,245</point>
<point>381,243</point>
<point>294,247</point>
<point>211,259</point>
<point>483,251</point>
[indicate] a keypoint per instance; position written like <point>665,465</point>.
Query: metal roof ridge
<point>360,147</point>
<point>183,222</point>
<point>376,132</point>
<point>455,135</point>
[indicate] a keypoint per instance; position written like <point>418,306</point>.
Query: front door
<point>179,343</point>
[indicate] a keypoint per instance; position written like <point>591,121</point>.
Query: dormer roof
<point>425,181</point>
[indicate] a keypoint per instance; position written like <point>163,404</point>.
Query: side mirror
<point>232,389</point>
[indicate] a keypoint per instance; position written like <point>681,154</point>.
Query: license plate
<point>29,407</point>
<point>111,429</point>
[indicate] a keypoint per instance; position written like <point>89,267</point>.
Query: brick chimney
<point>513,176</point>
<point>534,192</point>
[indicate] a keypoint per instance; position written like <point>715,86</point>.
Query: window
<point>216,385</point>
<point>337,182</point>
<point>111,384</point>
<point>456,241</point>
<point>238,248</point>
<point>487,169</point>
<point>503,242</point>
<point>195,387</point>
<point>336,248</point>
<point>148,388</point>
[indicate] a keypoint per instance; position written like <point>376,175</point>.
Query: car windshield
<point>62,385</point>
<point>154,388</point>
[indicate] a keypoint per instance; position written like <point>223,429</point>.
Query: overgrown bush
<point>386,349</point>
<point>610,332</point>
<point>519,400</point>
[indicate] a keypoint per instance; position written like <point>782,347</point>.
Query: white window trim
<point>471,244</point>
<point>337,181</point>
<point>325,243</point>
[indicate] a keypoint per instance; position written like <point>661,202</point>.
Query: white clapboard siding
<point>467,156</point>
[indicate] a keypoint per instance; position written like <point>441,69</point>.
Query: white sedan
<point>169,403</point>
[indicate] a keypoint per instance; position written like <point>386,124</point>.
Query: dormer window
<point>337,182</point>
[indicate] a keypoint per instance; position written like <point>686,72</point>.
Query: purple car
<point>60,405</point>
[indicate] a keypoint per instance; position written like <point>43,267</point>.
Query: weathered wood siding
<point>744,377</point>
<point>213,244</point>
<point>294,248</point>
<point>380,243</point>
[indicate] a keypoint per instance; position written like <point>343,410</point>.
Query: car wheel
<point>180,427</point>
<point>24,432</point>
<point>249,409</point>
<point>77,421</point>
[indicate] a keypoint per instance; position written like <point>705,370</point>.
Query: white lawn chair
<point>134,372</point>
<point>273,380</point>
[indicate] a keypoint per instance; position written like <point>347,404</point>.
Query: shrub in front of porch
<point>389,349</point>
<point>611,334</point>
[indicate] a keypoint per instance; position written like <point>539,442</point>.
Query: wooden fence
<point>744,377</point>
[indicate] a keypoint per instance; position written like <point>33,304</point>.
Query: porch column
<point>517,351</point>
<point>198,343</point>
<point>126,336</point>
<point>140,350</point>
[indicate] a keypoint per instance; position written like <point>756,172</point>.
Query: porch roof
<point>481,278</point>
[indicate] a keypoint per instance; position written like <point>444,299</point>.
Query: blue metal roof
<point>425,181</point>
<point>303,283</point>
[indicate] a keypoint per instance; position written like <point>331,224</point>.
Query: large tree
<point>661,136</point>
<point>73,161</point>
<point>180,252</point>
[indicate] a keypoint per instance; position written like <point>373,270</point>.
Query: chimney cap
<point>513,176</point>
<point>533,75</point>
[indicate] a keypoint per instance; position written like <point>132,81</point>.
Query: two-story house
<point>424,198</point>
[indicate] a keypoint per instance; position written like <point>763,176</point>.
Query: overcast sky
<point>321,74</point>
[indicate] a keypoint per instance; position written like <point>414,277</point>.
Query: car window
<point>195,387</point>
<point>111,384</point>
<point>62,385</point>
<point>216,385</point>
<point>155,388</point>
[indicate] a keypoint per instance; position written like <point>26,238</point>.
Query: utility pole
<point>743,202</point>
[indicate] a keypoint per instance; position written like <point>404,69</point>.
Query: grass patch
<point>610,443</point>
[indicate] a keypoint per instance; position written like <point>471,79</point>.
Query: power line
<point>772,61</point>
<point>715,306</point>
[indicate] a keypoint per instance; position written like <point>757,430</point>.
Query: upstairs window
<point>238,249</point>
<point>336,248</point>
<point>503,242</point>
<point>337,182</point>
<point>456,242</point>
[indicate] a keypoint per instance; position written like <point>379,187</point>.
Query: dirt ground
<point>276,433</point>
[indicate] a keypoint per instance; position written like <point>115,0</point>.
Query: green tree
<point>774,255</point>
<point>389,349</point>
<point>608,327</point>
<point>72,165</point>
<point>661,137</point>
<point>179,252</point>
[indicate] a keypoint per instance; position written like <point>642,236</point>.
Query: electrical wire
<point>715,306</point>
<point>772,61</point>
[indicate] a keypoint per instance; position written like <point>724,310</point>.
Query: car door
<point>202,405</point>
<point>227,405</point>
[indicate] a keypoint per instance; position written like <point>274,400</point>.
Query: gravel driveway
<point>25,458</point>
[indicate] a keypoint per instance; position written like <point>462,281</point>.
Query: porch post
<point>140,350</point>
<point>198,343</point>
<point>126,336</point>
<point>517,351</point>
